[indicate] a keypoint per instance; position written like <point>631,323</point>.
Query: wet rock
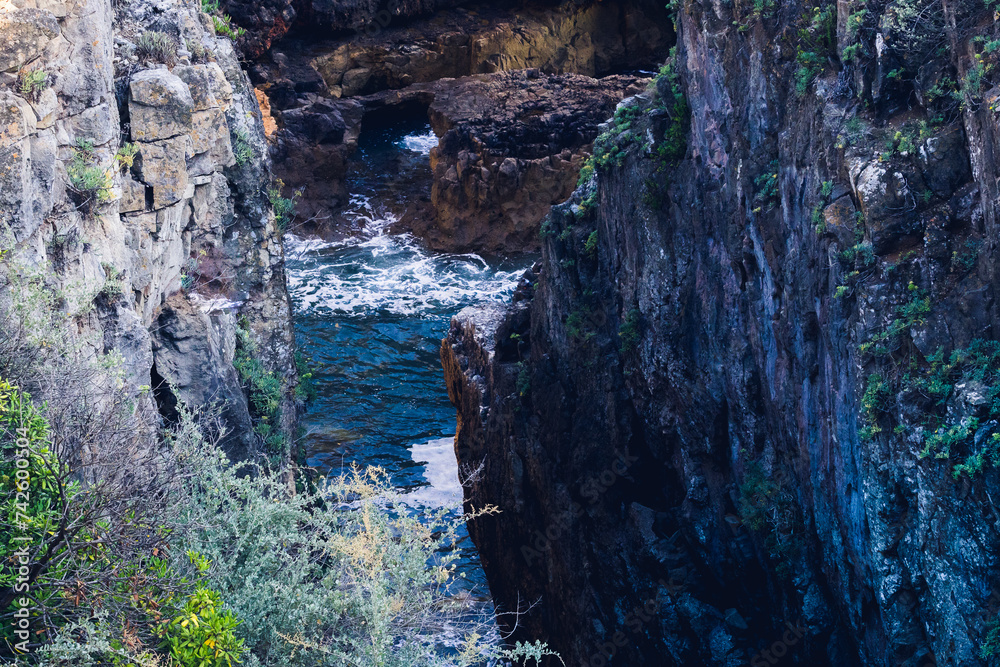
<point>512,145</point>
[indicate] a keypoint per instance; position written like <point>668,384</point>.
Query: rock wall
<point>170,242</point>
<point>740,413</point>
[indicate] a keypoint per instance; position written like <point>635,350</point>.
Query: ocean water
<point>371,309</point>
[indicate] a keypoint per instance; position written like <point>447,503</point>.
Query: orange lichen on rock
<point>270,125</point>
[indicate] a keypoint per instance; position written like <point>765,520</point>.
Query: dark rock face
<point>703,418</point>
<point>512,145</point>
<point>311,153</point>
<point>267,21</point>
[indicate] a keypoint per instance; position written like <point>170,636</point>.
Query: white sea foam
<point>419,143</point>
<point>377,271</point>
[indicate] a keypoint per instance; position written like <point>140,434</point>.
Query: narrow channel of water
<point>371,309</point>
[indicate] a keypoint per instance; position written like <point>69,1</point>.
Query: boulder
<point>160,105</point>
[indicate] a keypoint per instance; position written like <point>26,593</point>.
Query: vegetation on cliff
<point>129,543</point>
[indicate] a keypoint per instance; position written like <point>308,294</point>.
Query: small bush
<point>157,47</point>
<point>631,331</point>
<point>90,183</point>
<point>125,156</point>
<point>306,389</point>
<point>264,392</point>
<point>242,150</point>
<point>199,54</point>
<point>31,83</point>
<point>766,195</point>
<point>284,207</point>
<point>114,286</point>
<point>203,635</point>
<point>224,26</point>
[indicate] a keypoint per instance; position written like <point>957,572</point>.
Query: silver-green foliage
<point>340,575</point>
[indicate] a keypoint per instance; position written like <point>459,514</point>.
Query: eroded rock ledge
<point>511,147</point>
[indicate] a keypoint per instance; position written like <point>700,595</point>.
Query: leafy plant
<point>114,285</point>
<point>224,26</point>
<point>204,634</point>
<point>766,194</point>
<point>125,157</point>
<point>242,150</point>
<point>90,183</point>
<point>630,331</point>
<point>157,47</point>
<point>32,82</point>
<point>305,391</point>
<point>264,392</point>
<point>590,245</point>
<point>284,207</point>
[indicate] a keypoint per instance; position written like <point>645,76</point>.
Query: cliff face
<point>133,170</point>
<point>743,410</point>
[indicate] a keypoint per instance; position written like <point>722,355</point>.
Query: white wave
<point>378,271</point>
<point>419,143</point>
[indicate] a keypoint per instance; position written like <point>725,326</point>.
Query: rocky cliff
<point>744,410</point>
<point>133,174</point>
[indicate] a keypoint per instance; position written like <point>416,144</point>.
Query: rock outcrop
<point>511,146</point>
<point>740,412</point>
<point>320,91</point>
<point>137,183</point>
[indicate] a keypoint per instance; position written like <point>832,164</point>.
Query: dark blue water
<point>371,310</point>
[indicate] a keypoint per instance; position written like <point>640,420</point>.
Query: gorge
<point>716,283</point>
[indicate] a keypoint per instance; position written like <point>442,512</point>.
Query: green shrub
<point>264,392</point>
<point>242,150</point>
<point>327,576</point>
<point>203,634</point>
<point>674,143</point>
<point>305,391</point>
<point>768,509</point>
<point>114,285</point>
<point>224,26</point>
<point>31,83</point>
<point>156,47</point>
<point>766,195</point>
<point>523,379</point>
<point>816,45</point>
<point>90,183</point>
<point>631,331</point>
<point>284,207</point>
<point>125,157</point>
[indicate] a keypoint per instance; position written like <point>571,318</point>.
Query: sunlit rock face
<point>171,238</point>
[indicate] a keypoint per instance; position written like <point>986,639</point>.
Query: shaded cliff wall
<point>165,248</point>
<point>723,418</point>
